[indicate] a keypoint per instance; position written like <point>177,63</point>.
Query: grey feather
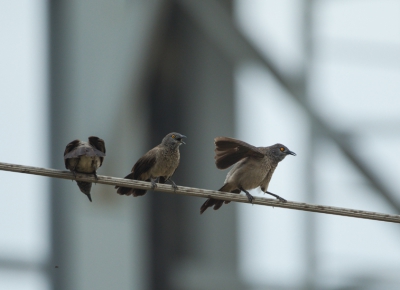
<point>254,167</point>
<point>85,157</point>
<point>158,163</point>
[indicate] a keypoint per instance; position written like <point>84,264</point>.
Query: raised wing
<point>98,144</point>
<point>70,151</point>
<point>99,147</point>
<point>228,151</point>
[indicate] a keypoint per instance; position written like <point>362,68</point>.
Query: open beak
<point>180,139</point>
<point>291,153</point>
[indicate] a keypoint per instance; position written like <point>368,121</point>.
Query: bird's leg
<point>249,196</point>
<point>95,177</point>
<point>153,183</point>
<point>174,186</point>
<point>73,172</point>
<point>277,196</point>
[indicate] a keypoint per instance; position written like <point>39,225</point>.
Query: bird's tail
<point>85,188</point>
<point>217,203</point>
<point>130,191</point>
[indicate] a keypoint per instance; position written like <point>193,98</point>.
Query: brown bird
<point>253,167</point>
<point>157,165</point>
<point>85,157</point>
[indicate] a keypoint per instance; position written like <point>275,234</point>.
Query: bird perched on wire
<point>85,157</point>
<point>157,165</point>
<point>253,167</point>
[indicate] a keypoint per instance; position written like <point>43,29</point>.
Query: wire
<point>198,192</point>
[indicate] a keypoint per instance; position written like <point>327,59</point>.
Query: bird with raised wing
<point>253,167</point>
<point>85,157</point>
<point>157,165</point>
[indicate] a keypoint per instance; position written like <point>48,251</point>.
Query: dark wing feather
<point>145,163</point>
<point>99,147</point>
<point>98,143</point>
<point>228,151</point>
<point>130,191</point>
<point>69,151</point>
<point>71,146</point>
<point>217,203</point>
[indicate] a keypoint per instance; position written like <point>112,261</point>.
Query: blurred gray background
<point>320,76</point>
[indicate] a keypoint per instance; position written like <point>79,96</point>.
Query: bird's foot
<point>153,184</point>
<point>74,173</point>
<point>95,177</point>
<point>277,196</point>
<point>174,186</point>
<point>249,197</point>
<point>281,199</point>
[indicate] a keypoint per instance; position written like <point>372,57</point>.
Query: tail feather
<point>130,191</point>
<point>138,192</point>
<point>85,188</point>
<point>217,203</point>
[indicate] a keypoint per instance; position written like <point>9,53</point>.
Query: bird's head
<point>174,139</point>
<point>281,151</point>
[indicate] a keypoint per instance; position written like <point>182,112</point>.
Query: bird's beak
<point>180,140</point>
<point>291,153</point>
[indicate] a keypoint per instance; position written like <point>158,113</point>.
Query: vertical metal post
<point>95,50</point>
<point>191,92</point>
<point>310,242</point>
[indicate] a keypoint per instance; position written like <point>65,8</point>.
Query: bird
<point>85,157</point>
<point>157,165</point>
<point>253,167</point>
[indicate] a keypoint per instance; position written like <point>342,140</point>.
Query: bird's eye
<point>173,136</point>
<point>282,149</point>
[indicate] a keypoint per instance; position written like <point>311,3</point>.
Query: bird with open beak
<point>253,167</point>
<point>157,165</point>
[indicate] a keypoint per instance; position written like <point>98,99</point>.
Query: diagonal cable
<point>199,192</point>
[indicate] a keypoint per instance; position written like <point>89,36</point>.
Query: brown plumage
<point>158,164</point>
<point>253,167</point>
<point>85,157</point>
<point>228,151</point>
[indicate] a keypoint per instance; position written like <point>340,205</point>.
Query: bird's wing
<point>70,151</point>
<point>228,151</point>
<point>98,146</point>
<point>145,163</point>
